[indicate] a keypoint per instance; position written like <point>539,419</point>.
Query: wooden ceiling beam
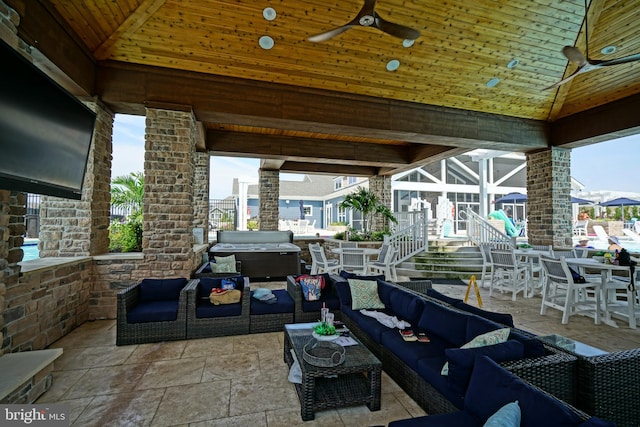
<point>329,169</point>
<point>306,149</point>
<point>220,99</point>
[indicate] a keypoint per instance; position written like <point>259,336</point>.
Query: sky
<point>612,165</point>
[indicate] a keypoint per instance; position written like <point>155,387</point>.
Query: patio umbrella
<point>621,202</point>
<point>581,201</point>
<point>512,198</point>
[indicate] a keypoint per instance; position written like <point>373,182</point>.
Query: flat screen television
<point>45,132</point>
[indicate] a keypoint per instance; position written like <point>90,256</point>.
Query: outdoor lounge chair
<point>151,311</point>
<point>205,319</point>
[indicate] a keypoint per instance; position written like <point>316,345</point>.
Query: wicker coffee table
<point>354,382</point>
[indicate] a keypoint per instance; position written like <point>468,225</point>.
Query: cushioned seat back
<point>447,324</point>
<point>207,283</point>
<point>161,289</point>
<point>406,306</point>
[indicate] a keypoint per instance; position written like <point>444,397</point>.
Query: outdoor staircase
<point>445,259</point>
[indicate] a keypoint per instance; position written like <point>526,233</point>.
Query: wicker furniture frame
<point>139,333</point>
<point>204,327</point>
<point>300,316</point>
<point>269,322</point>
<point>358,377</point>
<point>608,386</point>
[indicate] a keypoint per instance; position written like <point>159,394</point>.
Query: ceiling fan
<point>367,17</point>
<point>585,64</point>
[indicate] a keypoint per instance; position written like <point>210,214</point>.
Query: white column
<point>483,196</point>
<point>243,185</point>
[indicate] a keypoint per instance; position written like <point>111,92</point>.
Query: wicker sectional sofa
<point>416,366</point>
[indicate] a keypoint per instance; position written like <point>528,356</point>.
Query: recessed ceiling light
<point>493,82</point>
<point>269,13</point>
<point>608,50</point>
<point>393,65</point>
<point>266,42</point>
<point>513,63</point>
<point>408,43</point>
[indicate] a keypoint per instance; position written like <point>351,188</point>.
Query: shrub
<point>126,236</point>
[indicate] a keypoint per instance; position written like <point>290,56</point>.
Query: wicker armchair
<point>138,332</point>
<point>227,323</point>
<point>312,312</point>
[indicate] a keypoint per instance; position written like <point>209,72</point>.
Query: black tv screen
<point>45,132</point>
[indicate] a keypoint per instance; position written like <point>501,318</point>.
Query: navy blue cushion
<point>502,318</point>
<point>370,325</point>
<point>406,306</point>
<point>205,309</point>
<point>284,304</point>
<point>442,297</point>
<point>477,326</point>
<point>384,292</point>
<point>207,283</point>
<point>344,294</point>
<point>153,311</point>
<point>597,422</point>
<point>438,320</point>
<point>331,301</point>
<point>538,409</point>
<point>533,347</point>
<point>161,289</point>
<point>429,370</point>
<point>461,361</point>
<point>452,419</point>
<point>411,351</point>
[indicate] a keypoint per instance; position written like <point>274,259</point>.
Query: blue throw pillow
<point>161,289</point>
<point>462,360</point>
<point>507,416</point>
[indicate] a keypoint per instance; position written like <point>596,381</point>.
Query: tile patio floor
<point>242,380</point>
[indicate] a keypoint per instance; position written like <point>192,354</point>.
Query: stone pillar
<point>169,169</point>
<point>549,197</point>
<point>201,193</point>
<point>269,195</point>
<point>381,187</point>
<point>81,227</point>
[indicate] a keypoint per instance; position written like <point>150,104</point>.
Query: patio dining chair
<point>561,292</point>
<point>621,300</point>
<point>319,261</point>
<point>487,266</point>
<point>353,260</point>
<point>508,275</point>
<point>385,264</point>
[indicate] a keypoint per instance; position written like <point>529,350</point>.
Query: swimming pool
<point>30,252</point>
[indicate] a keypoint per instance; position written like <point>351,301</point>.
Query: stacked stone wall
<point>167,238</point>
<point>381,187</point>
<point>201,194</point>
<point>269,189</point>
<point>549,197</point>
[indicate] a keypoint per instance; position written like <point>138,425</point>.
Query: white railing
<point>479,231</point>
<point>410,234</point>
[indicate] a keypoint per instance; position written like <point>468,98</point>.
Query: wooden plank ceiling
<point>323,123</point>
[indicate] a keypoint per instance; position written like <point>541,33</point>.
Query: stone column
<point>549,197</point>
<point>269,195</point>
<point>381,187</point>
<point>81,227</point>
<point>201,193</point>
<point>169,169</point>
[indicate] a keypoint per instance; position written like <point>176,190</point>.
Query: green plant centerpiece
<point>525,246</point>
<point>324,329</point>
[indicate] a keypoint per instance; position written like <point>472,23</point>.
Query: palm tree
<point>127,191</point>
<point>367,203</point>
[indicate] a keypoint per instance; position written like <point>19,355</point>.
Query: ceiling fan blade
<point>623,60</point>
<point>396,30</point>
<point>574,55</point>
<point>327,35</point>
<point>580,70</point>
